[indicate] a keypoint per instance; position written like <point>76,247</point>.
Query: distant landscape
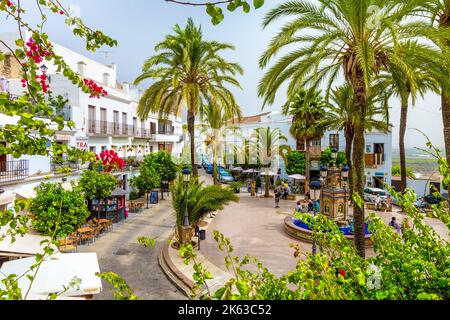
<point>419,161</point>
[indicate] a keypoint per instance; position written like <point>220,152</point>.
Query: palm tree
<point>341,116</point>
<point>408,85</point>
<point>308,122</point>
<point>438,12</point>
<point>200,201</point>
<point>189,71</point>
<point>215,126</point>
<point>267,143</point>
<point>336,38</point>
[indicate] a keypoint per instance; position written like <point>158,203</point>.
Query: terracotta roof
<point>252,119</point>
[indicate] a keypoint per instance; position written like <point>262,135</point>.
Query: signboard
<point>82,144</point>
<point>63,137</point>
<point>154,197</point>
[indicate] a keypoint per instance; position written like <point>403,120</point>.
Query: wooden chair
<point>87,236</point>
<point>68,245</point>
<point>75,237</point>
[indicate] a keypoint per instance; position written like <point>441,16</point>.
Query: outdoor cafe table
<point>85,230</point>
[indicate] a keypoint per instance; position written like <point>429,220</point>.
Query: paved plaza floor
<point>118,251</point>
<point>256,228</point>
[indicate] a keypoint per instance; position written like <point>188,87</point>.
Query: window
<point>334,140</point>
<point>369,148</point>
<point>104,148</point>
<point>317,142</point>
<point>92,149</point>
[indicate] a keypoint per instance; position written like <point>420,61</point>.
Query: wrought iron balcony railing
<point>11,171</point>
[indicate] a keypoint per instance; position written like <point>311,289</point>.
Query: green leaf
<point>258,3</point>
<point>246,7</point>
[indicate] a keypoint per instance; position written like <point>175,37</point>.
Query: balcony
<point>11,171</point>
<point>104,128</point>
<point>142,133</point>
<point>374,160</point>
<point>64,163</point>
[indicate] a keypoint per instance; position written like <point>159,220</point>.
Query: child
<point>278,194</point>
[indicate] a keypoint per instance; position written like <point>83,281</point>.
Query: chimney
<point>106,79</point>
<point>126,88</point>
<point>82,69</point>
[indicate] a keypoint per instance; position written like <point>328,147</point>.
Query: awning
<point>6,199</point>
<point>119,192</point>
<point>26,194</point>
<point>297,177</point>
<point>56,272</point>
<point>28,245</point>
<point>379,174</point>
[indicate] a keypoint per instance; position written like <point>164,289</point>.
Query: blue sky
<point>140,24</point>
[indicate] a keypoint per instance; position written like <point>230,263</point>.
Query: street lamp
<point>334,152</point>
<point>186,179</point>
<point>315,187</point>
<point>44,69</point>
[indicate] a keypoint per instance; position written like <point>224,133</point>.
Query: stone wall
<point>10,68</point>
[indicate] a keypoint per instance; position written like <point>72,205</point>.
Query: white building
<point>101,124</point>
<point>378,146</point>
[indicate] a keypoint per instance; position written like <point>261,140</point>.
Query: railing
<point>11,171</point>
<point>57,164</point>
<point>374,159</point>
<point>143,133</point>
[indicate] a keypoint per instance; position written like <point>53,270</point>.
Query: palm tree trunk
<point>216,181</point>
<point>308,167</point>
<point>266,187</point>
<point>403,121</point>
<point>191,129</point>
<point>360,101</point>
<point>446,120</point>
<point>349,136</point>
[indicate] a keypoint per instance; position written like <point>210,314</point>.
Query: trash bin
<point>202,234</point>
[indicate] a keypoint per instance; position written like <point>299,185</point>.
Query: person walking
<point>395,225</point>
<point>278,194</point>
<point>377,203</point>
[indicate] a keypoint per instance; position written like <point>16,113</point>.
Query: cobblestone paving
<point>119,252</point>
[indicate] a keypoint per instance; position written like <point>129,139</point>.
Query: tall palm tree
<point>189,71</point>
<point>438,12</point>
<point>407,85</point>
<point>337,38</point>
<point>341,116</point>
<point>307,109</point>
<point>267,143</point>
<point>215,125</point>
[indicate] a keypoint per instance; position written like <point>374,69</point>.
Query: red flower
<point>342,272</point>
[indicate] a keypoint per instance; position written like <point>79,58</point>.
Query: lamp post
<point>186,179</point>
<point>44,69</point>
<point>315,195</point>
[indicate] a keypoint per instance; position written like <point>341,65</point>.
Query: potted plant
<point>236,186</point>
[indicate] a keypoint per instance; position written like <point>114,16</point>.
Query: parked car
<point>371,193</point>
<point>432,199</point>
<point>225,176</point>
<point>210,169</point>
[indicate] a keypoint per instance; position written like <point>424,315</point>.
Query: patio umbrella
<point>251,171</point>
<point>271,173</point>
<point>237,169</point>
<point>297,177</point>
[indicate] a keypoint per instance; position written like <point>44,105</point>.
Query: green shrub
<point>134,195</point>
<point>296,162</point>
<point>57,212</point>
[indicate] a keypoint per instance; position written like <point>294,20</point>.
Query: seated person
<point>299,207</point>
